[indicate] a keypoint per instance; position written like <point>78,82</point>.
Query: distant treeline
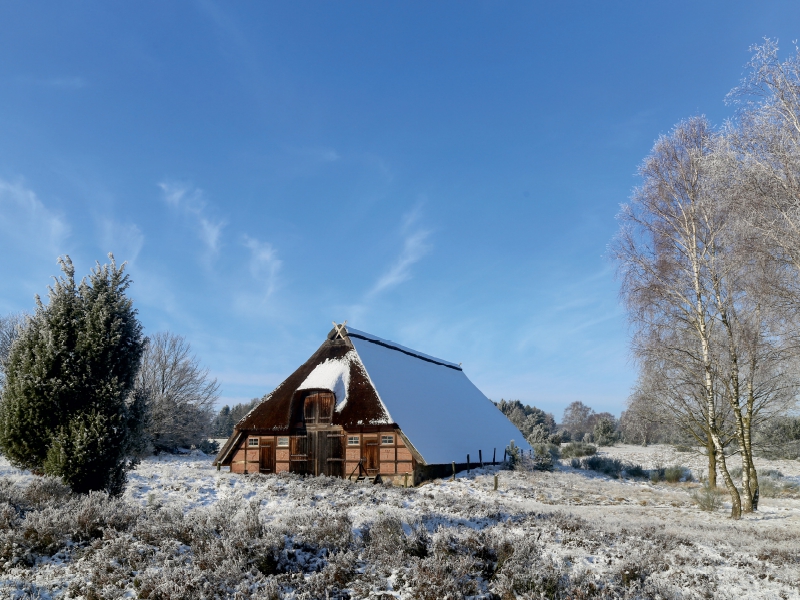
<point>226,419</point>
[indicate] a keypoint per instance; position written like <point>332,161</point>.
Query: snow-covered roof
<point>334,375</point>
<point>378,382</point>
<point>433,402</point>
<point>390,344</point>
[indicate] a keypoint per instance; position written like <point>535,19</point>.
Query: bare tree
<point>180,395</point>
<point>578,419</point>
<point>668,249</point>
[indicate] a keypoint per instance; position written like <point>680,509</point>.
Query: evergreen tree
<point>67,408</point>
<point>226,419</point>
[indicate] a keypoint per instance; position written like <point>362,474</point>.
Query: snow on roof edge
<point>395,346</point>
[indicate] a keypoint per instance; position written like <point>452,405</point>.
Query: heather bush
<point>635,471</point>
<point>607,466</point>
<point>293,537</point>
<point>771,484</point>
<point>577,450</point>
<point>529,573</point>
<point>708,498</point>
<point>677,473</point>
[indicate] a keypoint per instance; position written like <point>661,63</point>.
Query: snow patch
<point>333,375</point>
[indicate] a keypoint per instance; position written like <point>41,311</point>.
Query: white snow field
<point>184,530</point>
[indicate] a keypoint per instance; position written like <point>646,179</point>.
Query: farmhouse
<point>366,408</point>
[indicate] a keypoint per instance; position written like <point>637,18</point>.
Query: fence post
<point>495,482</point>
<point>504,455</point>
<point>467,463</point>
<point>405,480</point>
<point>480,457</point>
<point>454,470</point>
<point>494,455</point>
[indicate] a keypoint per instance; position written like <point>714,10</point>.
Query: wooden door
<point>335,466</point>
<point>298,454</point>
<point>266,463</point>
<point>371,455</point>
<point>317,452</point>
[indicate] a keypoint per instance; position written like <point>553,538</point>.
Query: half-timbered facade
<point>364,407</point>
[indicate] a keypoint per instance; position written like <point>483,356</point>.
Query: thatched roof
<point>377,382</point>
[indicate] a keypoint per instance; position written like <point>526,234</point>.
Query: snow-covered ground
<point>185,530</point>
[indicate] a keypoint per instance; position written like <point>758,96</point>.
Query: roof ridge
<point>368,337</point>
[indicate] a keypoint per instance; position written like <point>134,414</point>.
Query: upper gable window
<point>352,440</point>
<point>283,442</point>
<point>387,439</point>
<point>252,442</point>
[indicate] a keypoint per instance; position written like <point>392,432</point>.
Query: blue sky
<point>443,174</point>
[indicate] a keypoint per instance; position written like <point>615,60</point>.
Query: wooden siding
<point>393,460</point>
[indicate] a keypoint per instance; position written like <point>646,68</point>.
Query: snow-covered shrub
<point>442,576</point>
<point>513,455</point>
<point>67,408</point>
<point>707,498</point>
<point>210,447</point>
<point>42,491</point>
<point>771,484</point>
<point>542,459</point>
<point>607,466</point>
<point>529,573</point>
<point>634,470</point>
<point>677,473</point>
<point>323,527</point>
<point>577,450</point>
<point>539,434</point>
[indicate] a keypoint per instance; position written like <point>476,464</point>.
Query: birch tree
<point>667,247</point>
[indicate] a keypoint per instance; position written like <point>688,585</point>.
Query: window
<point>352,440</point>
<point>252,442</point>
<point>283,442</point>
<point>387,439</point>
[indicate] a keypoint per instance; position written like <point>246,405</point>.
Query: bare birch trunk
<point>748,424</point>
<point>712,462</point>
<point>736,501</point>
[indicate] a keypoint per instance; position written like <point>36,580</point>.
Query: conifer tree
<point>67,406</point>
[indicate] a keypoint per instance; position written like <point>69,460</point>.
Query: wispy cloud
<point>125,240</point>
<point>415,246</point>
<point>264,263</point>
<point>191,202</point>
<point>27,221</point>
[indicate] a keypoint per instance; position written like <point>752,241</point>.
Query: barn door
<point>317,452</point>
<point>298,454</point>
<point>266,463</point>
<point>335,466</point>
<point>371,463</point>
